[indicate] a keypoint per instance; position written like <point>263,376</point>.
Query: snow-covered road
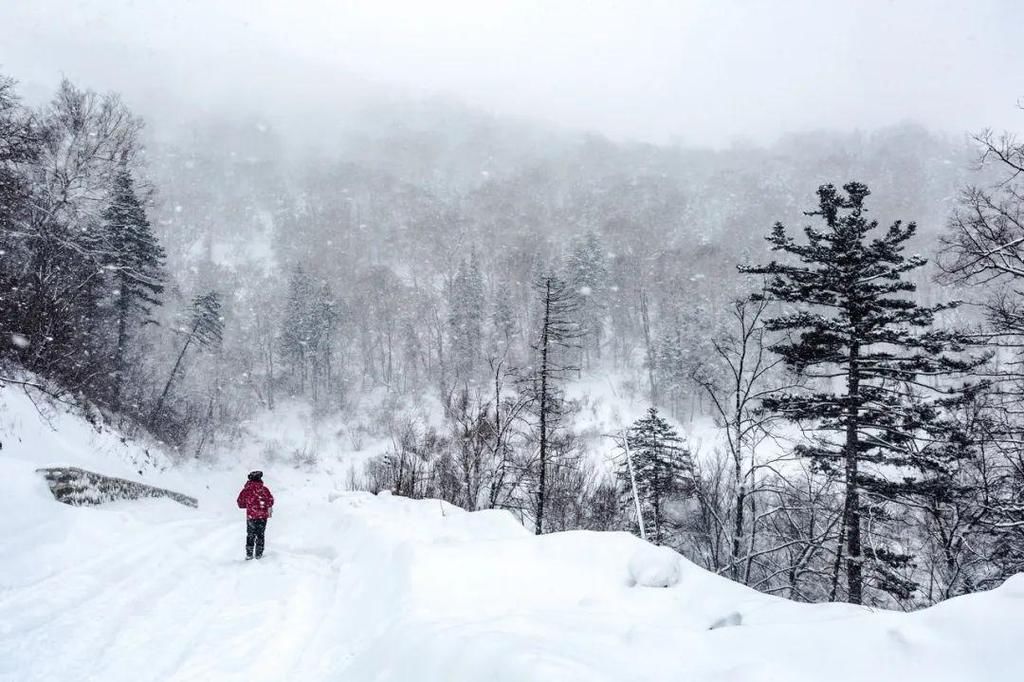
<point>124,598</point>
<point>357,587</point>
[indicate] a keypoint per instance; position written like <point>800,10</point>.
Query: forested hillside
<point>189,280</point>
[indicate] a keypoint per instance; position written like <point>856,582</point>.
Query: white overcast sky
<point>702,71</point>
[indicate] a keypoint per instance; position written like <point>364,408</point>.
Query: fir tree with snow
<point>673,368</point>
<point>875,354</point>
<point>322,317</point>
<point>504,325</point>
<point>136,261</point>
<point>297,326</point>
<point>466,310</point>
<point>587,269</point>
<point>662,468</point>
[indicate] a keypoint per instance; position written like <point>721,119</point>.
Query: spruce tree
<point>297,327</point>
<point>136,261</point>
<point>503,322</point>
<point>588,274</point>
<point>662,465</point>
<point>672,361</point>
<point>856,330</point>
<point>322,317</point>
<point>206,330</point>
<point>465,317</point>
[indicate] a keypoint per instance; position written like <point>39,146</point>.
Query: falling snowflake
<point>19,341</point>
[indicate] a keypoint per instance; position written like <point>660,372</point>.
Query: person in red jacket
<point>258,504</point>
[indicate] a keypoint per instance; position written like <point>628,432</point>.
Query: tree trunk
<point>270,377</point>
<point>632,485</point>
<point>539,523</point>
<point>657,518</point>
<point>752,500</point>
<point>737,533</point>
<point>122,342</point>
<point>851,511</point>
<point>839,558</point>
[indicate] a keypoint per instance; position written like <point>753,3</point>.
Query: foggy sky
<point>701,71</point>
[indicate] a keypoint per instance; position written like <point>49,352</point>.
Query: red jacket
<point>256,500</point>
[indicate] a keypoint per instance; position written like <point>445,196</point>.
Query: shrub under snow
<point>653,566</point>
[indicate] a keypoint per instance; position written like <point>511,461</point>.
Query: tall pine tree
<point>297,326</point>
<point>504,325</point>
<point>588,273</point>
<point>323,320</point>
<point>857,331</point>
<point>136,261</point>
<point>559,331</point>
<point>465,317</point>
<point>307,332</point>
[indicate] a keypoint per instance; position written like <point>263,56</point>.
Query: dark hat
<point>255,475</point>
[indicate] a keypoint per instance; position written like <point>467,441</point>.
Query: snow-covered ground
<point>360,587</point>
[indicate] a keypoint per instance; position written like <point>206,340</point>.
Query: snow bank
<point>655,567</point>
<point>380,588</point>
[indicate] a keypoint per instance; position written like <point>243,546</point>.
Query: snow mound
<point>653,566</point>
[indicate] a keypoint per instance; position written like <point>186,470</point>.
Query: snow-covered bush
<point>654,566</point>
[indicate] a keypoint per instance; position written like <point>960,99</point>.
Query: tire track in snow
<point>178,615</point>
<point>77,630</point>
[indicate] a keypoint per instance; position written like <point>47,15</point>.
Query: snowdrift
<point>358,587</point>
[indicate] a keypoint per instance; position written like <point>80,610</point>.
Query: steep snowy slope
<point>360,587</point>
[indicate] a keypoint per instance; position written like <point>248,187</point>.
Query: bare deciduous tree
<point>743,374</point>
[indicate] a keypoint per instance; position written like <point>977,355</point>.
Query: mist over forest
<point>455,297</point>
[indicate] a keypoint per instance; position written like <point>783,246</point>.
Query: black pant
<point>254,532</point>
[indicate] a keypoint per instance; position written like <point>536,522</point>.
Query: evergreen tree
<point>662,466</point>
<point>412,355</point>
<point>135,259</point>
<point>465,317</point>
<point>19,147</point>
<point>307,333</point>
<point>588,274</point>
<point>55,249</point>
<point>672,365</point>
<point>322,318</point>
<point>855,324</point>
<point>206,330</point>
<point>558,332</point>
<point>297,327</point>
<point>503,322</point>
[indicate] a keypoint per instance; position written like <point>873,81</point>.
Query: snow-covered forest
<point>188,282</point>
<point>794,361</point>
